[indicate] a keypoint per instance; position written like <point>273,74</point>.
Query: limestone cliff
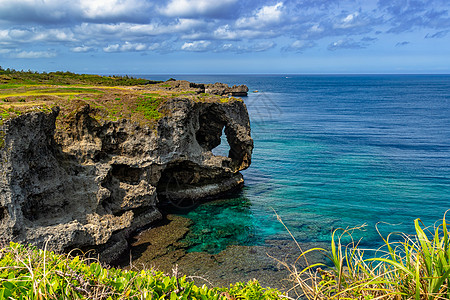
<point>82,182</point>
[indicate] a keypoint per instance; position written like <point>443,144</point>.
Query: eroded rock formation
<point>88,182</point>
<point>220,89</point>
<point>223,89</point>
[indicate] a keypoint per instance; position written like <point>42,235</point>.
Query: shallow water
<point>330,152</point>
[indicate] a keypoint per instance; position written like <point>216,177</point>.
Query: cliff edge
<point>73,176</point>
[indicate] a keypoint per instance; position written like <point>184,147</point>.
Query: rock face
<point>220,89</point>
<point>89,183</point>
<point>224,90</point>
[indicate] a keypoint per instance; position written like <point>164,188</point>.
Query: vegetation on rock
<point>113,97</point>
<point>12,77</point>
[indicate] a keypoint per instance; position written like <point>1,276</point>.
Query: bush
<point>30,273</point>
<point>417,267</point>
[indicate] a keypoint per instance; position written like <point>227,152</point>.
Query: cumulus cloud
<point>300,46</point>
<point>348,21</point>
<point>33,54</point>
<point>82,26</point>
<point>196,8</point>
<point>139,31</point>
<point>226,32</point>
<point>70,11</point>
<point>82,49</point>
<point>125,10</point>
<point>20,36</point>
<point>196,46</point>
<point>267,15</point>
<point>246,48</point>
<point>126,47</point>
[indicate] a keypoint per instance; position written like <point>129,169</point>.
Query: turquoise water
<point>335,151</point>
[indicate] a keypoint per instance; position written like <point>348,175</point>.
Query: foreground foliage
<point>417,267</point>
<point>29,273</point>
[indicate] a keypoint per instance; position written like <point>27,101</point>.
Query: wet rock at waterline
<point>164,247</point>
<point>80,181</point>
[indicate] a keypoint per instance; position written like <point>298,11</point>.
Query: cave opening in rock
<point>213,133</point>
<point>127,174</point>
<point>2,212</point>
<point>176,182</point>
<point>223,149</point>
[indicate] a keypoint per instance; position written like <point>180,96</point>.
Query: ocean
<point>333,151</point>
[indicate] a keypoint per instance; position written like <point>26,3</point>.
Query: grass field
<point>111,97</point>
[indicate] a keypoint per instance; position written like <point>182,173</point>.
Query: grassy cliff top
<point>112,97</point>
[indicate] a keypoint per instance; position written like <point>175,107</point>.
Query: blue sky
<point>226,36</point>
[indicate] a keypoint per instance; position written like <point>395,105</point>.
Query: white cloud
<point>227,33</point>
<point>33,54</point>
<point>224,25</point>
<point>29,11</point>
<point>126,47</point>
<point>138,31</point>
<point>196,8</point>
<point>227,47</point>
<point>112,48</point>
<point>316,28</point>
<point>54,35</point>
<point>196,46</point>
<point>69,11</point>
<point>20,36</point>
<point>82,49</point>
<point>133,47</point>
<point>107,9</point>
<point>239,48</point>
<point>154,46</point>
<point>353,21</point>
<point>267,15</point>
<point>300,45</point>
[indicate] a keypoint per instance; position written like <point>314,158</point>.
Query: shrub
<point>30,273</point>
<point>416,267</point>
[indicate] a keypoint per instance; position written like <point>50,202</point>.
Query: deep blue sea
<point>334,151</point>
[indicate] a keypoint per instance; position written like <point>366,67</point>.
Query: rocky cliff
<point>80,181</point>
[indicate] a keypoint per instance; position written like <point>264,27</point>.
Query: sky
<point>226,36</point>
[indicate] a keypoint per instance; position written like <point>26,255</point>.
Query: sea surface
<point>333,151</point>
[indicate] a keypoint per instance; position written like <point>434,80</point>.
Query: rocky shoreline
<point>162,247</point>
<point>73,179</point>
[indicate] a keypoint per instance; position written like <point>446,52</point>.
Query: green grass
<point>2,138</point>
<point>11,85</point>
<point>30,273</point>
<point>56,92</point>
<point>149,106</point>
<point>13,77</point>
<point>416,267</point>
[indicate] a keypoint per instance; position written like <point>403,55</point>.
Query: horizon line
<point>284,74</point>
